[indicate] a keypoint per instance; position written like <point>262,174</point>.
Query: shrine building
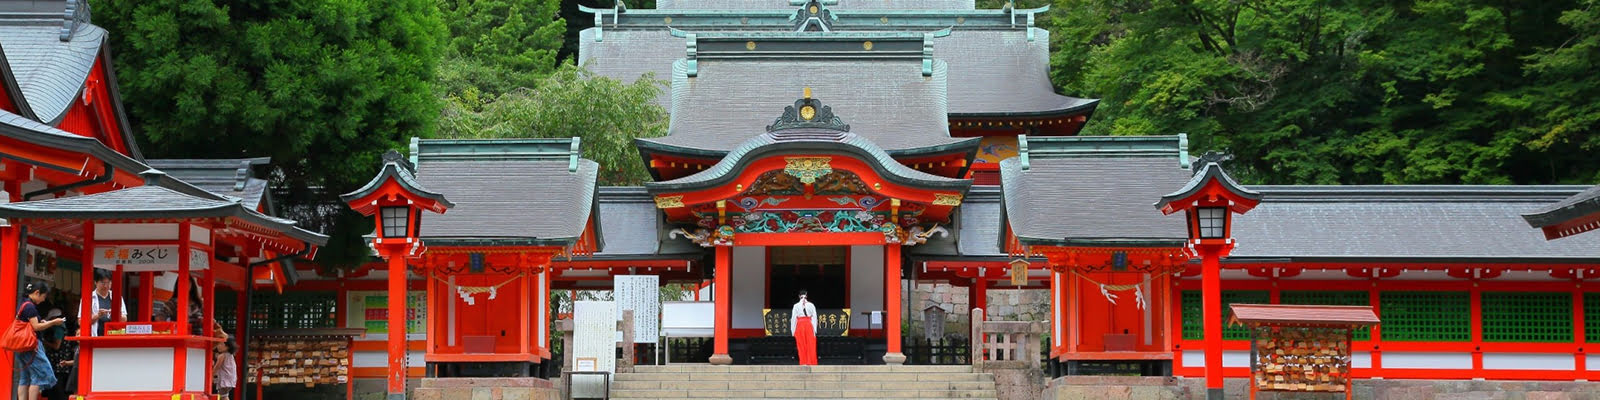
<point>848,148</point>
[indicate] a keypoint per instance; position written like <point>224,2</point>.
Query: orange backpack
<point>19,336</point>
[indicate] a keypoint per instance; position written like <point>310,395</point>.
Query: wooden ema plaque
<point>1301,359</point>
<point>307,358</point>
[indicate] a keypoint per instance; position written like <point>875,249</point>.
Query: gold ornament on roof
<point>808,169</point>
<point>808,112</point>
<point>947,199</point>
<point>867,45</point>
<point>750,45</point>
<point>669,201</point>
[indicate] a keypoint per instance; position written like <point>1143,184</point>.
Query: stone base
<point>894,358</point>
<point>487,389</point>
<point>1119,387</point>
<point>721,359</point>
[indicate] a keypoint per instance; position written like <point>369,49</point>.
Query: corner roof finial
<point>1214,157</point>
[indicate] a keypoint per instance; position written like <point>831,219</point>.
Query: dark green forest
<point>1301,91</point>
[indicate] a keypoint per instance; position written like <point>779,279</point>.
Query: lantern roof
<point>1240,199</point>
<point>1084,190</point>
<point>403,173</point>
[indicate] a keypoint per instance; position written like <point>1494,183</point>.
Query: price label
<point>138,330</point>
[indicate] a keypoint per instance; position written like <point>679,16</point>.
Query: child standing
<point>227,376</point>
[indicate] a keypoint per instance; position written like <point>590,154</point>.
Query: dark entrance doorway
<point>823,272</point>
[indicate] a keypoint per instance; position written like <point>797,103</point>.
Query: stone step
<point>691,368</point>
<point>803,376</point>
<point>802,385</point>
<point>804,394</point>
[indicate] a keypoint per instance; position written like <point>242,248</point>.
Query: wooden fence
<point>1005,344</point>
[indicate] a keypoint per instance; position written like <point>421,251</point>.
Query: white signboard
<point>148,258</point>
<point>688,319</point>
<point>141,329</point>
<point>642,294</point>
<point>594,326</point>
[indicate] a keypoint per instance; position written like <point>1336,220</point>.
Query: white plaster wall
<point>134,369</point>
<point>749,286</point>
<point>1361,359</point>
<point>414,358</point>
<point>1592,362</point>
<point>1533,361</point>
<point>866,283</point>
<point>194,372</point>
<point>1427,360</point>
<point>1230,358</point>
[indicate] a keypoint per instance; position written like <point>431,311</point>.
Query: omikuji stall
<point>164,227</point>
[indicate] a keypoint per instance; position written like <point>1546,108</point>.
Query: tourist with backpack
<point>34,372</point>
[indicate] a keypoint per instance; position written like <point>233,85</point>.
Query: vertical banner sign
<point>1019,272</point>
<point>370,310</point>
<point>594,337</point>
<point>642,294</point>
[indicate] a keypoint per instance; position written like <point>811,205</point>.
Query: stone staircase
<point>700,381</point>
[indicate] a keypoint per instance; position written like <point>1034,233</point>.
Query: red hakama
<point>805,341</point>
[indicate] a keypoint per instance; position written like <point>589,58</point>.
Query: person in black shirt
<point>34,372</point>
<point>63,356</point>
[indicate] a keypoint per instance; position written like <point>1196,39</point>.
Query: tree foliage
<point>321,86</point>
<point>606,113</point>
<point>496,46</point>
<point>1319,91</point>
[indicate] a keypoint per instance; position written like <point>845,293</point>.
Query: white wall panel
<point>749,286</point>
<point>866,283</point>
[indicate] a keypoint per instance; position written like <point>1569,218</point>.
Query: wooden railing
<point>1005,344</point>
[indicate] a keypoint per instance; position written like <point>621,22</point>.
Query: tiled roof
<point>980,228</point>
<point>1403,222</point>
<point>231,177</point>
<point>159,198</point>
<point>506,198</point>
<point>50,72</point>
<point>889,103</point>
<point>1581,204</point>
<point>1094,190</point>
<point>1003,72</point>
<point>632,227</point>
<point>842,4</point>
<point>21,128</point>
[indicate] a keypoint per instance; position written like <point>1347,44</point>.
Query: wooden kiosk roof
<point>1303,315</point>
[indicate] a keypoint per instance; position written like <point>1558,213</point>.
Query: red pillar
<point>891,296</point>
<point>1211,302</point>
<point>397,327</point>
<point>724,305</point>
<point>10,248</point>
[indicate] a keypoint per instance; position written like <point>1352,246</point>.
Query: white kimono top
<point>803,308</point>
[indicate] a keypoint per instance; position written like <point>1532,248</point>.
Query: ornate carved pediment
<point>808,113</point>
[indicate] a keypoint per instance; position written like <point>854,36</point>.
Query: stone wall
<point>1004,305</point>
<point>1120,387</point>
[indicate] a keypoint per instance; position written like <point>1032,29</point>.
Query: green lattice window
<point>225,309</point>
<point>1527,317</point>
<point>1426,316</point>
<point>1194,328</point>
<point>1329,298</point>
<point>1591,317</point>
<point>293,310</point>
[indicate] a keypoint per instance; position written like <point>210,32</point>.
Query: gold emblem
<point>813,9</point>
<point>667,20</point>
<point>808,169</point>
<point>867,45</point>
<point>750,45</point>
<point>669,201</point>
<point>807,113</point>
<point>883,20</point>
<point>947,199</point>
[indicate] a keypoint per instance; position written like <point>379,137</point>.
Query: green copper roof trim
<point>764,147</point>
<point>839,20</point>
<point>647,147</point>
<point>1175,146</point>
<point>751,45</point>
<point>498,150</point>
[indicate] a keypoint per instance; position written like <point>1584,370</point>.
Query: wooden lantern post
<point>396,202</point>
<point>1209,200</point>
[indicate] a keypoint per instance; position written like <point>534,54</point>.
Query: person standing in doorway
<point>100,301</point>
<point>803,324</point>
